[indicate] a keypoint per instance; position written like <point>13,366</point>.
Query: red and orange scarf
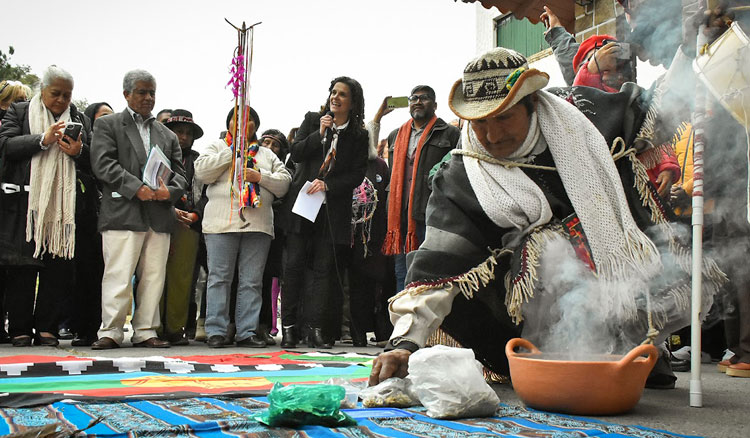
<point>392,243</point>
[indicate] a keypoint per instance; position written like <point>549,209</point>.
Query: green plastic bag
<point>301,405</point>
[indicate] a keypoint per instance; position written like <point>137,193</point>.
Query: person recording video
<point>330,150</point>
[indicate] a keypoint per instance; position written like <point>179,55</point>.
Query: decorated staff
<point>243,190</point>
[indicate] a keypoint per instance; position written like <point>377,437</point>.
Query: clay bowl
<point>604,385</point>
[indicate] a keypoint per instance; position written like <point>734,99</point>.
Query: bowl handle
<point>519,342</point>
<point>638,351</point>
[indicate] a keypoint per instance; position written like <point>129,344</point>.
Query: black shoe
<point>316,340</point>
<point>254,341</point>
<point>46,341</point>
<point>217,341</point>
<point>678,365</point>
<point>65,333</point>
<point>288,337</point>
<point>83,341</point>
<point>177,339</point>
<point>21,341</point>
<point>264,335</point>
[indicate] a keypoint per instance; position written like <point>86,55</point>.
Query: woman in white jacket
<point>238,236</point>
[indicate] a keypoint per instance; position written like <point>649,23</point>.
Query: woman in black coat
<point>18,146</point>
<point>330,150</point>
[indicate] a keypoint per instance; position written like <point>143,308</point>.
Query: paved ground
<point>726,400</point>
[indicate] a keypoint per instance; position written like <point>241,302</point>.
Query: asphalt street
<point>725,411</point>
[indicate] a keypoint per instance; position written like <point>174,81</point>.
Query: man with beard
<point>186,236</point>
<point>414,149</point>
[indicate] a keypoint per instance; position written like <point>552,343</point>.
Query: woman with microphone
<point>330,150</point>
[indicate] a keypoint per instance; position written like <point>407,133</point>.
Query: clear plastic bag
<point>351,388</point>
<point>449,383</point>
<point>393,392</point>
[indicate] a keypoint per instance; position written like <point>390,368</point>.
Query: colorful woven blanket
<point>217,417</point>
<point>33,380</point>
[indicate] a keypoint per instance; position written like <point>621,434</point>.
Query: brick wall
<point>597,18</point>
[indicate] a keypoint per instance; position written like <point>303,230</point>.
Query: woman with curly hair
<point>330,150</point>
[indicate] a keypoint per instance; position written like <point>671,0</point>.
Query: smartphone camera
<point>73,130</point>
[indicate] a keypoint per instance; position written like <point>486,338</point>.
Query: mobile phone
<point>397,102</point>
<point>73,130</point>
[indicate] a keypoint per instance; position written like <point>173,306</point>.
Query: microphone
<point>329,132</point>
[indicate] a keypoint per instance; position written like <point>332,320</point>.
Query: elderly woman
<point>37,211</point>
<point>238,227</point>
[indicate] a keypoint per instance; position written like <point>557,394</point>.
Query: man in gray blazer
<point>135,220</point>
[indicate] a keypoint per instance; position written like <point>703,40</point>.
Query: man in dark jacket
<point>135,220</point>
<point>413,149</point>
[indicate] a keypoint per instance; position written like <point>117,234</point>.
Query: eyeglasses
<point>424,98</point>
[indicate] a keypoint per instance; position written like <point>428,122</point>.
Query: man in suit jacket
<point>135,220</point>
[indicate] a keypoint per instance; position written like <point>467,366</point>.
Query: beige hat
<point>494,82</point>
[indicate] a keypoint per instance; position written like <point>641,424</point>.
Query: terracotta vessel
<point>604,385</point>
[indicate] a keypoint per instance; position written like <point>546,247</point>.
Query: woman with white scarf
<point>38,206</point>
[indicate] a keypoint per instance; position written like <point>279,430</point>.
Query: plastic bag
<point>449,383</point>
<point>300,405</point>
<point>393,392</point>
<point>352,390</point>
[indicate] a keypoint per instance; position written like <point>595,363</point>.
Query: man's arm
<point>564,45</point>
<point>178,183</point>
<point>105,160</point>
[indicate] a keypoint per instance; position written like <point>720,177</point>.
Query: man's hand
<point>549,19</point>
<point>252,175</point>
<point>383,110</point>
<point>605,59</point>
<point>664,183</point>
<point>71,147</point>
<point>317,186</point>
<point>145,194</point>
<point>162,193</point>
<point>54,133</point>
<point>394,363</point>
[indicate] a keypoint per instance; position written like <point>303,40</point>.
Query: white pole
<point>699,116</point>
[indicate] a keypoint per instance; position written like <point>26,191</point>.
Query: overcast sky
<point>387,45</point>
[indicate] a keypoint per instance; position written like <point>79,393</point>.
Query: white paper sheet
<point>306,205</point>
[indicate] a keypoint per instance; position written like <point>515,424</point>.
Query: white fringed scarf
<point>50,218</point>
<point>512,200</point>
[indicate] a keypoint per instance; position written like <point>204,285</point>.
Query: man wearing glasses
<point>414,149</point>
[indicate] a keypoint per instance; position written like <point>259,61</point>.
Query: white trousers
<point>125,253</point>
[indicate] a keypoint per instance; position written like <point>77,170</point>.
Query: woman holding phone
<point>38,205</point>
<point>330,150</point>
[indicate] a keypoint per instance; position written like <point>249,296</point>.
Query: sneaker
<point>684,354</point>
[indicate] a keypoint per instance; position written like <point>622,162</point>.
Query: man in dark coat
<point>412,151</point>
<point>135,220</point>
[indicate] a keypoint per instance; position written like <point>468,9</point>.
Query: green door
<point>520,35</point>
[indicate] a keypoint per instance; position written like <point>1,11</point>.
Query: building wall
<point>597,18</point>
